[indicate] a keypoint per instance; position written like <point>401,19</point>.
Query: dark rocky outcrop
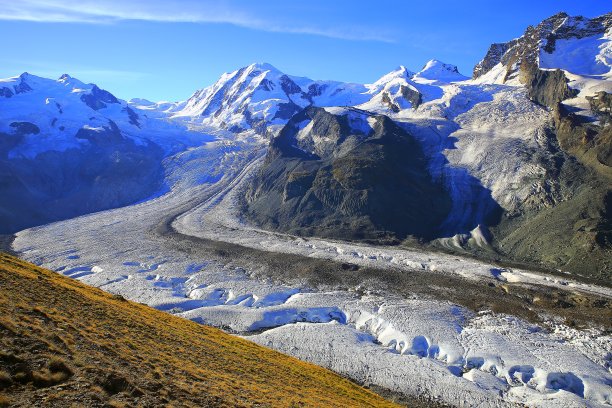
<point>288,86</point>
<point>546,88</point>
<point>25,128</point>
<point>493,57</point>
<point>286,111</point>
<point>592,144</point>
<point>601,106</point>
<point>388,102</point>
<point>22,86</point>
<point>341,181</point>
<point>6,92</point>
<point>98,98</point>
<point>315,90</point>
<point>9,140</point>
<point>106,135</point>
<point>414,97</point>
<point>133,116</point>
<point>411,95</point>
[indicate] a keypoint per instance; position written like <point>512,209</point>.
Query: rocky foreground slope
<point>64,343</point>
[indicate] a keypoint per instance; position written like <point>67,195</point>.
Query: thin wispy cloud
<point>190,11</point>
<point>85,73</point>
<point>108,74</point>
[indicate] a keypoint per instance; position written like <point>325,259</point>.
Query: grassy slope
<point>65,343</point>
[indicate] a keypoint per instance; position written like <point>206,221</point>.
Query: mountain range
<point>440,239</point>
<point>514,163</point>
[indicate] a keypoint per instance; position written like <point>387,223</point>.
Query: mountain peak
<point>263,66</point>
<point>68,80</point>
<point>437,64</point>
<point>561,14</point>
<point>439,71</point>
<point>552,44</point>
<point>400,72</point>
<point>402,69</point>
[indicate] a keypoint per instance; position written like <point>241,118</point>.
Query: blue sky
<point>165,50</point>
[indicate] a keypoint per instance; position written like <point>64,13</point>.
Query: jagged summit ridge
<point>262,98</point>
<point>544,39</point>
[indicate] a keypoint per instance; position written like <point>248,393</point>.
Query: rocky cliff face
<point>559,61</point>
<point>541,38</point>
<point>346,174</point>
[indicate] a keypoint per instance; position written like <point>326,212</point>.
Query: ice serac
<point>346,173</point>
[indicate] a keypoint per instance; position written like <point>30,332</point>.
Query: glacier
<point>187,249</point>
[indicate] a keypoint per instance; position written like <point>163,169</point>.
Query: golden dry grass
<point>65,343</point>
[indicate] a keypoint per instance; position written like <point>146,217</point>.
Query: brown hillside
<point>63,343</point>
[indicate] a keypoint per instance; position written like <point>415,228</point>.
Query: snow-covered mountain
<point>68,148</point>
<point>512,165</point>
<point>45,114</point>
<point>261,98</point>
<point>576,44</point>
<point>562,59</point>
<point>525,155</point>
<point>522,138</point>
<point>258,97</point>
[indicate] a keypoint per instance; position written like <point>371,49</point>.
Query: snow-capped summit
<point>252,97</point>
<point>563,59</point>
<point>263,66</point>
<point>435,70</point>
<point>261,98</point>
<point>74,83</point>
<point>61,108</point>
<point>393,92</point>
<point>578,45</point>
<point>58,108</point>
<point>140,102</point>
<point>401,73</point>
